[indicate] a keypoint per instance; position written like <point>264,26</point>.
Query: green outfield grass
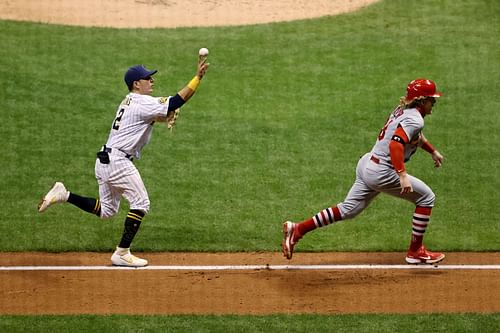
<point>274,132</point>
<point>282,323</point>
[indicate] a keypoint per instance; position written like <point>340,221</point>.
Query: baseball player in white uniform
<point>383,170</point>
<point>115,171</point>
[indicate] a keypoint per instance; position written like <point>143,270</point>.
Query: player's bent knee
<point>427,200</point>
<point>107,213</point>
<point>106,216</point>
<point>142,206</point>
<point>144,212</point>
<point>349,211</point>
<point>350,215</point>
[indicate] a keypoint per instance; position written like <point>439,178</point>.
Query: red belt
<point>375,160</point>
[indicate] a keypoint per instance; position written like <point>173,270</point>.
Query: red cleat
<point>423,256</point>
<point>291,237</point>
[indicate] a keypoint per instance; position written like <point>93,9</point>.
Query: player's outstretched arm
<point>185,93</point>
<point>189,90</point>
<point>175,102</point>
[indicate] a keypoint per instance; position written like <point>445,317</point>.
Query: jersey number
<point>397,113</point>
<point>116,123</point>
<point>384,129</point>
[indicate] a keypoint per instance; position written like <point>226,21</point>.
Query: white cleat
<point>123,257</point>
<point>57,193</point>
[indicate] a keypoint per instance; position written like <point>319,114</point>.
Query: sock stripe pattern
<point>325,217</point>
<point>421,219</point>
<point>134,216</point>
<point>97,208</point>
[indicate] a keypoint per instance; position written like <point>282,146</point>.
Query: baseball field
<point>273,133</point>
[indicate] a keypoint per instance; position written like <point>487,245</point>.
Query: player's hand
<point>438,159</point>
<point>405,183</point>
<point>202,67</point>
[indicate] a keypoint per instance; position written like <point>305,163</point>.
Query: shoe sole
<point>124,263</point>
<point>40,210</point>
<point>131,266</point>
<point>287,234</point>
<point>415,261</point>
<point>45,203</point>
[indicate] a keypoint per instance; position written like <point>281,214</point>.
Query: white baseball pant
<point>120,178</point>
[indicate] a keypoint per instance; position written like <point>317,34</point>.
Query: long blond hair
<point>411,104</point>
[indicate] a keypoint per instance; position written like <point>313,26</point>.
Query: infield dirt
<point>264,291</point>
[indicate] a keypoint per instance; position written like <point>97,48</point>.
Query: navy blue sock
<point>89,205</point>
<point>132,224</point>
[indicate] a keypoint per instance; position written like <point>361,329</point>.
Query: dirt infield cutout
<point>172,13</point>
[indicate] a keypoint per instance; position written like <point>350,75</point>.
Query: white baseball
<point>203,52</point>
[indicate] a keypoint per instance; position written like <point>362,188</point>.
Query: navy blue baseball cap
<point>136,73</point>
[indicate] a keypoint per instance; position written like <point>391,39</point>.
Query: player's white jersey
<point>133,124</point>
<point>412,123</point>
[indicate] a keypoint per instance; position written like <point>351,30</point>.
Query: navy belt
<point>109,150</point>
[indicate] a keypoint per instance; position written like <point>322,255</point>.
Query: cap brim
<point>149,73</point>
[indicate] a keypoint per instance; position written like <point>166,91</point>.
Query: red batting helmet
<point>420,88</point>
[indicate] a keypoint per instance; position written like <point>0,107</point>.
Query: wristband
<point>194,83</point>
<point>428,147</point>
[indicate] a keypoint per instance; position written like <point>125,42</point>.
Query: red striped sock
<point>325,217</point>
<point>421,219</point>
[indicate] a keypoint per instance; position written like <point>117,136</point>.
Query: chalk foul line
<point>250,267</point>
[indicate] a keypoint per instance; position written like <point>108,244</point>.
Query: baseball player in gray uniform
<point>115,171</point>
<point>383,170</point>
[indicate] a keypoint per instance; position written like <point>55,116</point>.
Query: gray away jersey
<point>412,123</point>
